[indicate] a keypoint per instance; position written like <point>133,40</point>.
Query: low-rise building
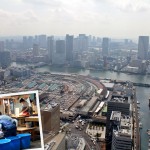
<point>20,72</point>
<point>67,115</point>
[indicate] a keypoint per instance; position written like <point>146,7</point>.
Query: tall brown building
<point>50,116</point>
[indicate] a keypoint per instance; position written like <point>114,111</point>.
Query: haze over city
<point>115,19</point>
<point>89,61</point>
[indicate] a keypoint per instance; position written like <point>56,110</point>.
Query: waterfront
<point>143,93</point>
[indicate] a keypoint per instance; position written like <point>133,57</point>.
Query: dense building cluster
<point>89,109</point>
<point>80,51</point>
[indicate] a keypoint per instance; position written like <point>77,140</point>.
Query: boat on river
<point>140,125</point>
<point>148,132</point>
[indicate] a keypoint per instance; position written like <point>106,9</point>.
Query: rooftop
<point>123,133</point>
<point>125,121</point>
<point>119,100</point>
<point>104,109</point>
<point>89,104</point>
<point>49,106</point>
<point>115,115</point>
<point>125,126</point>
<point>109,85</point>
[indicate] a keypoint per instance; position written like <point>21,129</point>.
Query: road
<point>81,133</point>
<point>137,143</point>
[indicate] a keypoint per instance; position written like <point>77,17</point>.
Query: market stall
<point>18,114</point>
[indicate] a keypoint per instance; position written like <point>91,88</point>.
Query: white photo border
<point>39,112</point>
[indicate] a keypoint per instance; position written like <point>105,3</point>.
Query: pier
<point>141,84</point>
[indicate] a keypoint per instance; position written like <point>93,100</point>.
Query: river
<point>143,93</point>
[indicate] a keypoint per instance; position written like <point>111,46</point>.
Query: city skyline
<point>55,17</point>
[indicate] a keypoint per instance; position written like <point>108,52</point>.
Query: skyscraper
<point>143,46</point>
<point>59,57</point>
<point>115,105</point>
<point>25,43</point>
<point>42,41</point>
<point>7,44</point>
<point>35,49</point>
<point>60,47</point>
<point>30,41</point>
<point>121,131</point>
<point>105,46</point>
<point>76,44</point>
<point>2,74</point>
<point>5,59</point>
<point>124,108</point>
<point>1,46</point>
<point>83,42</point>
<point>69,47</point>
<point>50,47</point>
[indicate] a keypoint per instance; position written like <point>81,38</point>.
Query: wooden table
<point>27,130</point>
<point>21,120</point>
<point>32,119</point>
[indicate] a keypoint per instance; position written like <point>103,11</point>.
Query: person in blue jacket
<point>8,125</point>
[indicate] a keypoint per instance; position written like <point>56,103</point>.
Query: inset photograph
<point>20,121</point>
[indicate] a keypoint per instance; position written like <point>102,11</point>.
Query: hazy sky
<point>112,18</point>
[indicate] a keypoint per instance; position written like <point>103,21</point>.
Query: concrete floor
<point>36,144</point>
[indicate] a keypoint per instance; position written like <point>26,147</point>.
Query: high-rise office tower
<point>30,42</point>
<point>59,57</point>
<point>69,47</point>
<point>60,47</point>
<point>143,46</point>
<point>105,46</point>
<point>25,43</point>
<point>2,74</point>
<point>35,39</point>
<point>1,46</point>
<point>121,131</point>
<point>75,44</point>
<point>126,41</point>
<point>35,49</point>
<point>114,105</point>
<point>8,44</point>
<point>5,59</point>
<point>42,41</point>
<point>82,42</point>
<point>121,105</point>
<point>50,47</point>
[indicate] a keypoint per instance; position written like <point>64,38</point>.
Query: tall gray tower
<point>69,47</point>
<point>83,42</point>
<point>42,41</point>
<point>50,47</point>
<point>1,46</point>
<point>143,46</point>
<point>5,59</point>
<point>35,50</point>
<point>59,57</point>
<point>105,46</point>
